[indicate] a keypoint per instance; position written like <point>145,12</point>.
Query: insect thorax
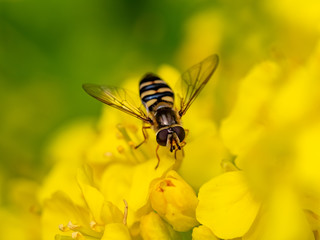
<point>165,117</point>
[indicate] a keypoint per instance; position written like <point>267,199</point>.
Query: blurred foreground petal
<point>227,206</point>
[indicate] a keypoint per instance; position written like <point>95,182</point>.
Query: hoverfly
<point>158,100</point>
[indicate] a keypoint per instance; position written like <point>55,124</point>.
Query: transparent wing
<point>118,98</point>
<point>194,80</point>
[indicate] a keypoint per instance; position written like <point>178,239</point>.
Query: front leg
<point>145,135</point>
<point>182,144</point>
<point>158,158</point>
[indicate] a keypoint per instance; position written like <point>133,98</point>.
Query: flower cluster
<point>249,169</point>
<point>272,130</point>
<point>88,202</point>
<point>250,166</point>
<point>252,176</point>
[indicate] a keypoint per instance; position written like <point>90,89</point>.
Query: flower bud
<point>174,200</point>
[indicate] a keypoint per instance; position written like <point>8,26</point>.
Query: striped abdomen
<point>154,92</point>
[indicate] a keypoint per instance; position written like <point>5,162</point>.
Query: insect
<point>158,100</point>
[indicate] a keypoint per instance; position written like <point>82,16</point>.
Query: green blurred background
<point>48,49</point>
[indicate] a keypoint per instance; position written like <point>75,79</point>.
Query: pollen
<point>164,184</point>
<point>72,226</point>
<point>120,149</point>
<point>93,224</point>
<point>81,232</point>
<point>169,183</point>
<point>131,143</point>
<point>63,228</point>
<point>133,128</point>
<point>119,135</point>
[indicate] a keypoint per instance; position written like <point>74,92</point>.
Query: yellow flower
<point>131,183</point>
<point>174,200</point>
<point>118,172</point>
<point>20,214</point>
<point>121,172</point>
<point>89,220</point>
<point>273,130</point>
<point>251,151</point>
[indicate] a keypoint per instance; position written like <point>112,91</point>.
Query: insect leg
<point>182,144</point>
<point>145,135</point>
<point>187,132</point>
<point>175,154</point>
<point>157,157</point>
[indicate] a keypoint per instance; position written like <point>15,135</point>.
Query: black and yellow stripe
<point>154,91</point>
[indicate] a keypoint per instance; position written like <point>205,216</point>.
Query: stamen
<point>133,128</point>
<point>119,135</point>
<point>95,227</point>
<point>63,228</point>
<point>129,136</point>
<point>131,144</point>
<point>93,224</point>
<point>125,213</point>
<point>80,232</point>
<point>72,226</point>
<point>120,149</point>
<point>124,133</point>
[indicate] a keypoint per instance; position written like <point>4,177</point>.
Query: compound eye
<point>162,136</point>
<point>180,132</point>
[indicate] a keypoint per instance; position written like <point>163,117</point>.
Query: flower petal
<point>116,231</point>
<point>247,119</point>
<point>227,206</point>
<point>154,228</point>
<point>203,233</point>
<point>103,212</point>
<point>307,164</point>
<point>143,175</point>
<point>204,148</point>
<point>60,210</point>
<point>281,218</point>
